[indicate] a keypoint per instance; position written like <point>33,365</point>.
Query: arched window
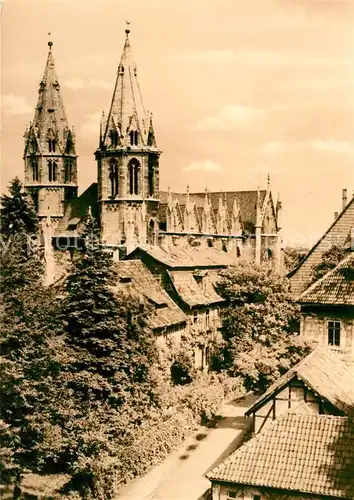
<point>35,171</point>
<point>151,178</point>
<point>68,171</point>
<point>113,177</point>
<point>238,252</point>
<point>51,145</point>
<point>52,171</point>
<point>133,175</point>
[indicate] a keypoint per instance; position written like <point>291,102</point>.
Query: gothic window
<point>207,318</point>
<point>52,171</point>
<point>334,328</point>
<point>68,171</point>
<point>151,176</point>
<point>51,145</point>
<point>134,136</point>
<point>133,175</point>
<point>113,177</point>
<point>35,171</point>
<point>114,137</point>
<point>33,145</point>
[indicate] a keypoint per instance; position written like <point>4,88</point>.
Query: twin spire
<point>50,122</point>
<point>128,123</point>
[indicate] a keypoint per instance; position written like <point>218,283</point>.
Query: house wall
<point>291,395</point>
<point>314,328</point>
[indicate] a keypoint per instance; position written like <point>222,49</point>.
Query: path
<point>182,475</point>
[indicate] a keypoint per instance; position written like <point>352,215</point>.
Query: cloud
<point>15,105</point>
<point>230,117</point>
<point>91,125</point>
<point>206,56</point>
<point>79,84</point>
<point>333,146</point>
<point>272,147</point>
<point>205,166</point>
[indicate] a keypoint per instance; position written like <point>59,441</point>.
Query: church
<point>126,200</point>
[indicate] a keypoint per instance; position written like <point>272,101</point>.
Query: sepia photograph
<point>177,250</point>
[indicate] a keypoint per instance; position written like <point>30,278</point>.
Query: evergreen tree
<point>108,333</point>
<point>17,214</point>
<point>28,356</point>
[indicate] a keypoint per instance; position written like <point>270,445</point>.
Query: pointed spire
<point>127,109</point>
<point>50,121</point>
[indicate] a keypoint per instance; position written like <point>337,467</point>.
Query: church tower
<point>128,164</point>
<point>50,156</point>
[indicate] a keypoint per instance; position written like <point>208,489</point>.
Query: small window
<point>195,317</point>
<point>68,171</point>
<point>52,171</point>
<point>334,328</point>
<point>231,494</point>
<point>35,171</point>
<point>207,318</point>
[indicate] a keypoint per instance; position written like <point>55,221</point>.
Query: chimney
<point>344,198</point>
<point>336,215</point>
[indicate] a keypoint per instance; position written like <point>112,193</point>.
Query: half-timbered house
<point>322,381</point>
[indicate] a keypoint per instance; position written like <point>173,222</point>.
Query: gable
<point>337,234</point>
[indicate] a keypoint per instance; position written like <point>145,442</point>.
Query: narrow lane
<point>182,475</point>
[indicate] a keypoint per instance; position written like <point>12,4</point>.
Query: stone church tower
<point>50,156</point>
<point>128,164</point>
<point>50,161</point>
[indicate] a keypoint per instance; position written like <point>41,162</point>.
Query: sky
<point>237,90</point>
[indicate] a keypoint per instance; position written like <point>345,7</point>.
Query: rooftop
<point>325,373</point>
<point>134,277</point>
<point>335,288</point>
<point>297,452</point>
<point>186,257</point>
<point>194,290</point>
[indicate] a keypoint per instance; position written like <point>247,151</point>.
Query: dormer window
<point>114,137</point>
<point>51,145</point>
<point>134,136</point>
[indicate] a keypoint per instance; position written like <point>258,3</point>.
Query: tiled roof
<point>76,211</point>
<point>137,279</point>
<point>297,452</point>
<point>336,234</point>
<point>193,293</point>
<point>325,373</point>
<point>187,257</point>
<point>336,287</point>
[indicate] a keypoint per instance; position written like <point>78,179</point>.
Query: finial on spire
<point>268,180</point>
<point>50,43</point>
<point>127,30</point>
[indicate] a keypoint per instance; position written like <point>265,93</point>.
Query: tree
<point>108,333</point>
<point>260,326</point>
<point>28,356</point>
<point>17,213</point>
<point>330,259</point>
